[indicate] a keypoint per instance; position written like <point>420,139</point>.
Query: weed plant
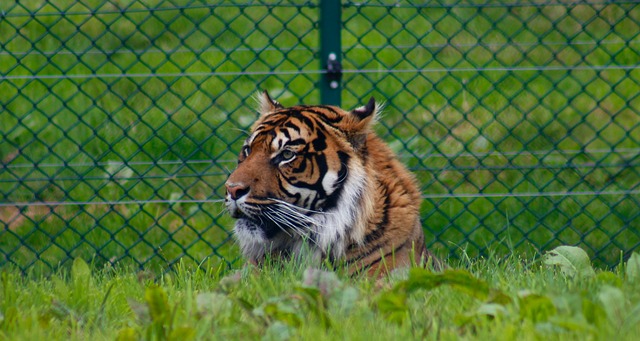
<point>557,297</point>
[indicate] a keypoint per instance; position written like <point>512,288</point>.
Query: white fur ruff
<point>333,229</point>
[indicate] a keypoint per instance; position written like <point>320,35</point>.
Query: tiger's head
<point>299,176</point>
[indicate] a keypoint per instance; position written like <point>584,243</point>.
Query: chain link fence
<point>121,119</point>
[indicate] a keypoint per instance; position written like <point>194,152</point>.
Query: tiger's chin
<point>237,214</point>
<point>257,240</point>
<point>250,236</point>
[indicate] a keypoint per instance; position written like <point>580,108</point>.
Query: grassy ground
<point>560,298</point>
<point>110,102</point>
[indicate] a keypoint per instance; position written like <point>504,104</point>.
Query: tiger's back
<point>317,178</point>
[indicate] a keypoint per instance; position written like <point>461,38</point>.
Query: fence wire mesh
<point>120,120</point>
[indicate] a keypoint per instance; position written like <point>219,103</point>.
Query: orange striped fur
<point>317,179</point>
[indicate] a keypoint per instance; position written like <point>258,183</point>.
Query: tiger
<point>316,179</point>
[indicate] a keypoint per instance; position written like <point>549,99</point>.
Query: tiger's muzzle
<point>237,192</point>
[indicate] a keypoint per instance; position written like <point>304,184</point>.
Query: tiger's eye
<point>288,154</point>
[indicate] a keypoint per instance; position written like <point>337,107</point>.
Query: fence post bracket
<point>334,71</point>
<point>330,51</point>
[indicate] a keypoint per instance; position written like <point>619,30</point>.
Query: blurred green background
<point>120,120</point>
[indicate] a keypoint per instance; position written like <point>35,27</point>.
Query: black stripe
<point>364,152</point>
<point>304,119</point>
<point>292,125</point>
<point>275,120</point>
<point>302,167</point>
<point>331,109</point>
<point>321,163</point>
<point>316,199</point>
<point>284,190</point>
<point>319,143</point>
<point>305,202</point>
<point>333,199</point>
<point>380,227</point>
<point>323,116</point>
<point>296,142</point>
<point>379,259</point>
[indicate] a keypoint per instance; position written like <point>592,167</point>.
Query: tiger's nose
<point>236,190</point>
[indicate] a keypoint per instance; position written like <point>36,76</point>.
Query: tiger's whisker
<point>284,219</point>
<point>296,207</point>
<point>277,223</point>
<point>310,221</point>
<point>294,225</point>
<point>346,174</point>
<point>298,215</point>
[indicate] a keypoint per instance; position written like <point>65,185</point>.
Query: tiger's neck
<point>390,213</point>
<point>379,205</point>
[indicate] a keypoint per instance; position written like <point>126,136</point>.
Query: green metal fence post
<point>330,47</point>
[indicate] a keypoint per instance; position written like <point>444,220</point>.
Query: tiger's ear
<point>266,104</point>
<point>359,122</point>
<point>369,110</point>
<point>361,118</point>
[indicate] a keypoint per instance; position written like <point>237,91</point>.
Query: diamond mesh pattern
<point>120,120</point>
<point>521,118</point>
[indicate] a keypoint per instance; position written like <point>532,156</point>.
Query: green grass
<point>465,124</point>
<point>484,299</point>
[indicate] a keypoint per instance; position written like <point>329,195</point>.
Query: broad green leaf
<point>316,303</point>
<point>325,281</point>
<point>613,302</point>
<point>499,297</point>
<point>182,333</point>
<point>326,288</point>
<point>311,294</point>
<point>536,308</point>
<point>158,304</point>
<point>277,331</point>
<point>127,334</point>
<point>572,261</point>
<point>393,305</point>
<point>593,312</point>
<point>572,324</point>
<point>81,279</point>
<point>459,279</point>
<point>491,309</point>
<point>80,270</point>
<point>567,303</point>
<point>212,303</point>
<point>487,310</point>
<point>283,312</point>
<point>244,304</point>
<point>632,320</point>
<point>548,328</point>
<point>633,268</point>
<point>345,299</point>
